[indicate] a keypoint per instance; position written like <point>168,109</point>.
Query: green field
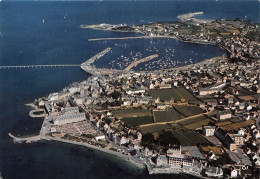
<point>189,138</point>
<point>192,120</point>
<point>167,116</point>
<point>188,110</point>
<point>136,121</point>
<point>196,123</point>
<point>174,93</point>
<point>154,128</point>
<point>241,91</point>
<point>132,113</point>
<point>244,91</point>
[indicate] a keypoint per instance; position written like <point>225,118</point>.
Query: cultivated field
<point>236,126</point>
<point>154,128</point>
<point>216,150</point>
<point>168,115</point>
<point>188,110</point>
<point>131,113</point>
<point>174,93</point>
<point>196,122</point>
<point>189,138</point>
<point>136,121</point>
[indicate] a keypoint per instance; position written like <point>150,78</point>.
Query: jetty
<point>188,16</point>
<point>135,63</point>
<point>37,113</point>
<point>88,66</point>
<point>95,58</point>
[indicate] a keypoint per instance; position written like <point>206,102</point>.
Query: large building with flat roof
<point>69,115</point>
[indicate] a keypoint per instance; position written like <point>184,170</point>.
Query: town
<point>201,119</point>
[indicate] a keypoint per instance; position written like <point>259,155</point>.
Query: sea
<point>41,33</point>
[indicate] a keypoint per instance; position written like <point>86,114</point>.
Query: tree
<point>108,120</point>
<point>167,138</point>
<point>115,94</point>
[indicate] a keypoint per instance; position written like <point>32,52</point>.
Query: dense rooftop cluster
<point>208,110</point>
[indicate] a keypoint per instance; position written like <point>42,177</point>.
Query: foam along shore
<point>153,37</point>
<point>190,17</point>
<point>138,37</point>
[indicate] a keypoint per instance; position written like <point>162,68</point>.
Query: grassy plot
<point>189,138</point>
<point>248,97</point>
<point>188,110</point>
<point>168,115</point>
<point>164,94</point>
<point>154,128</point>
<point>136,121</point>
<point>237,125</point>
<point>216,150</point>
<point>223,123</point>
<point>174,93</point>
<point>131,113</point>
<point>244,91</point>
<point>196,122</point>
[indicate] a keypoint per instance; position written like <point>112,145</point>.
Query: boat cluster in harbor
<point>166,59</point>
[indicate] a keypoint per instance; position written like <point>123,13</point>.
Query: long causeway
<point>39,66</point>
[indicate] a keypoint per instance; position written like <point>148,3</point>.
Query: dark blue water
<point>170,51</point>
<point>25,39</point>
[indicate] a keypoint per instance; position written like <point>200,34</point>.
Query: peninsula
<point>201,119</point>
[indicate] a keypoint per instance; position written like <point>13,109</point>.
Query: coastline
<point>133,160</point>
<point>139,163</point>
<point>105,150</point>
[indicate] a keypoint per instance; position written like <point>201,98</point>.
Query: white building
<point>207,91</point>
<point>69,115</point>
<point>214,172</point>
<point>222,115</point>
<point>100,137</point>
<point>69,118</point>
<point>208,130</point>
<point>234,173</point>
<point>177,159</point>
<point>161,160</point>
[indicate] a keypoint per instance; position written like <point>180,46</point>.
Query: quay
<point>96,57</point>
<point>37,113</point>
<point>135,63</point>
<point>39,66</point>
<point>88,66</point>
